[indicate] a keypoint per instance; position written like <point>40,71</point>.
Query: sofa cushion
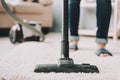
<point>29,7</point>
<point>46,2</point>
<point>31,1</point>
<point>2,9</point>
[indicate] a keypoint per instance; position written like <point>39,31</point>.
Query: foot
<point>102,52</point>
<point>73,45</point>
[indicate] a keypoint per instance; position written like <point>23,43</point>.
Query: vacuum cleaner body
<point>19,33</point>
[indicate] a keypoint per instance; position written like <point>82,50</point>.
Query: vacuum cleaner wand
<point>66,64</point>
<point>65,42</point>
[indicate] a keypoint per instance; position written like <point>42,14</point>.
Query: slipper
<point>103,51</point>
<point>74,47</point>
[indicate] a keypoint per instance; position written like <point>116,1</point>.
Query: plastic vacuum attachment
<point>66,64</point>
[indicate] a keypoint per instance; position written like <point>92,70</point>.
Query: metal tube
<point>65,42</point>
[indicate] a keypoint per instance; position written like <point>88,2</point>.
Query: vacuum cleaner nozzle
<point>66,65</point>
<point>47,68</point>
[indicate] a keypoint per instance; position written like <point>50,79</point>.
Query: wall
<point>57,15</point>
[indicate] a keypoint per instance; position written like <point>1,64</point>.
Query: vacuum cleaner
<point>65,64</point>
<point>18,33</point>
<point>23,30</point>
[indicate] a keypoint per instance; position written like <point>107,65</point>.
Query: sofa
<point>31,11</point>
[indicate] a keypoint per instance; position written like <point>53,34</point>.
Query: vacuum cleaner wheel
<point>15,36</point>
<point>12,36</point>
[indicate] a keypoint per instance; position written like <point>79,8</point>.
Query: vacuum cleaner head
<point>66,65</point>
<point>86,68</point>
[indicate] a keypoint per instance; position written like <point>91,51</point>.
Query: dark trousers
<point>103,14</point>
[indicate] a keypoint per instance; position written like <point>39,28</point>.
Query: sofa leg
<point>46,30</point>
<point>4,32</point>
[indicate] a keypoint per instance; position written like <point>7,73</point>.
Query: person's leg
<point>103,20</point>
<point>74,12</point>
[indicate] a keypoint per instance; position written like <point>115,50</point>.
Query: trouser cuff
<point>101,40</point>
<point>74,37</point>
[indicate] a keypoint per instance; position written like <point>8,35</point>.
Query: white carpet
<point>20,63</point>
